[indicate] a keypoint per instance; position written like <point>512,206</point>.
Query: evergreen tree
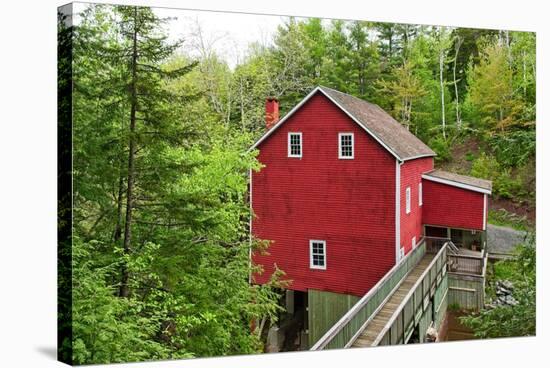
<point>364,60</point>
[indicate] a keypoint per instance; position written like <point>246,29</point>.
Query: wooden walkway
<point>377,324</point>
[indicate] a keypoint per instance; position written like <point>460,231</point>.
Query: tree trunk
<point>118,227</point>
<point>242,104</point>
<point>442,85</point>
<point>457,102</point>
<point>124,291</point>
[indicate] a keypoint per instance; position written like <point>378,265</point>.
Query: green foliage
<point>188,261</point>
<point>471,41</point>
<point>485,167</point>
<point>107,328</point>
<point>453,307</point>
<point>516,320</point>
<point>403,90</point>
<point>504,270</point>
<point>440,146</point>
<point>492,96</point>
<point>505,185</point>
<point>514,148</point>
<point>502,217</point>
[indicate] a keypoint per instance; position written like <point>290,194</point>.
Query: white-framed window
<point>345,145</point>
<point>294,144</point>
<point>318,254</point>
<point>413,241</point>
<point>419,194</point>
<point>408,200</point>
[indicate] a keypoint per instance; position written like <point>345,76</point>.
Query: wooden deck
<point>376,325</point>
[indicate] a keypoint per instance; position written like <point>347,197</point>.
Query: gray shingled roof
<point>379,123</point>
<point>462,179</point>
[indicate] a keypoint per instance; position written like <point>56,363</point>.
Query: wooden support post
<point>403,328</point>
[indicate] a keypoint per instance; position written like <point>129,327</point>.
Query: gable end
<point>332,96</point>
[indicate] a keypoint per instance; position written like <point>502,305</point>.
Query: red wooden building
<point>347,191</point>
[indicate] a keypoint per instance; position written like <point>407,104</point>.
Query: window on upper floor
<point>419,194</point>
<point>317,254</point>
<point>294,144</point>
<point>345,145</point>
<point>408,200</point>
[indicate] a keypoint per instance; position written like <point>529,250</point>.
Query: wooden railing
<point>345,331</point>
<point>401,324</point>
<point>472,265</point>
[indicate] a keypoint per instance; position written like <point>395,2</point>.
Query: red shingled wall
<point>449,206</point>
<point>348,203</point>
<point>411,176</point>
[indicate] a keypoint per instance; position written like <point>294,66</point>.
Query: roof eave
<point>420,156</point>
<point>457,184</point>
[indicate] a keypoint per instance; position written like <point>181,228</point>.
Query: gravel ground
<point>502,239</point>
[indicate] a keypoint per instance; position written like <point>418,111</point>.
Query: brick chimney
<point>271,112</point>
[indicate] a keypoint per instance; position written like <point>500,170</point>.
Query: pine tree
<point>364,60</point>
<point>143,48</point>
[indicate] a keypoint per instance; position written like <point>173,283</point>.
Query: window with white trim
<point>294,144</point>
<point>419,194</point>
<point>345,145</point>
<point>413,241</point>
<point>318,254</point>
<point>408,200</point>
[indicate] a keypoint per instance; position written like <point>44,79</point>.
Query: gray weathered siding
<point>466,291</point>
<point>324,310</point>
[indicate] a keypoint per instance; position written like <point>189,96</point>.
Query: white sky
<point>227,34</point>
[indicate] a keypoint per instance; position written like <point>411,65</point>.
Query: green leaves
<point>107,328</point>
<point>512,320</point>
<point>514,148</point>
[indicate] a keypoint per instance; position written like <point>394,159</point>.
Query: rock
<point>510,300</point>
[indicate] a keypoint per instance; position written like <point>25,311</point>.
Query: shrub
<point>504,184</point>
<point>514,148</point>
<point>485,167</point>
<point>511,320</point>
<point>441,147</point>
<point>502,217</point>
